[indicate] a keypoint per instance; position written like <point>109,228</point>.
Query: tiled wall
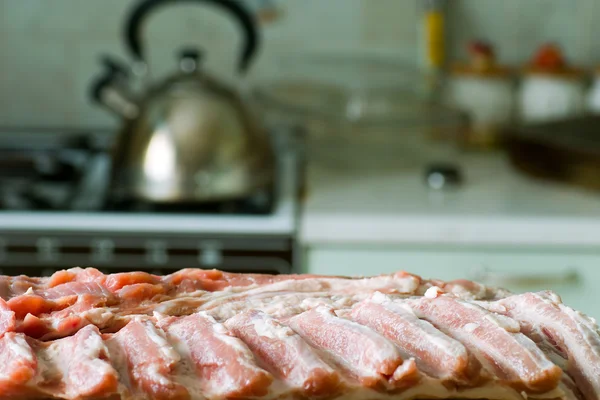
<point>49,48</point>
<point>519,26</point>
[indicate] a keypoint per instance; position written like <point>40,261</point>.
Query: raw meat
<point>367,355</point>
<point>495,341</point>
<point>224,364</point>
<point>437,354</point>
<point>82,361</point>
<point>115,282</point>
<point>285,353</point>
<point>148,359</point>
<point>569,333</point>
<point>212,335</point>
<point>8,321</point>
<point>18,365</point>
<point>76,367</point>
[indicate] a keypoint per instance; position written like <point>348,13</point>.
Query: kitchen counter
<point>369,212</point>
<point>376,195</point>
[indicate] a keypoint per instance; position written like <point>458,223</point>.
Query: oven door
<point>41,254</point>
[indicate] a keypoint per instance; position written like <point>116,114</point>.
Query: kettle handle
<point>247,22</point>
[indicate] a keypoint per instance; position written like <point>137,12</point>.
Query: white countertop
<point>376,195</point>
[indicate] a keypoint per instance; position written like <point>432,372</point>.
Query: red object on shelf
<point>482,55</point>
<point>549,56</point>
<point>481,48</point>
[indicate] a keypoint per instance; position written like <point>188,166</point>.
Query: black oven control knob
<point>103,251</point>
<point>156,252</point>
<point>3,251</point>
<point>48,249</point>
<point>210,254</point>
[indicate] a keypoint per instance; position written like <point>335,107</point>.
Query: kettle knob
<point>189,59</point>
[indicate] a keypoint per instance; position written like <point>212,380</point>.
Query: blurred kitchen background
<point>452,139</point>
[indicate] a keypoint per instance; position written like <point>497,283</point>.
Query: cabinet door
<point>574,276</point>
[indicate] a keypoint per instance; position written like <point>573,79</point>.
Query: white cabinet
<point>574,275</point>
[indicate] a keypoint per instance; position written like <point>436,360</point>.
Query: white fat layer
<point>551,297</point>
<point>99,316</point>
<point>267,327</point>
<point>173,306</point>
<point>156,376</point>
<point>164,347</point>
<point>119,363</point>
<point>503,322</point>
<point>74,350</point>
<point>499,320</point>
<point>19,350</point>
<point>278,304</point>
<point>401,284</point>
<point>185,373</point>
<point>245,356</point>
<point>474,291</point>
<point>19,346</point>
<point>433,292</point>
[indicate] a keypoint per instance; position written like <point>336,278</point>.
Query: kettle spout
<point>110,90</point>
<point>117,100</point>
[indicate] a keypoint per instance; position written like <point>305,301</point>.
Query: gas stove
<point>56,213</point>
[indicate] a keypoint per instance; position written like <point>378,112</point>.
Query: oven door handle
<point>487,276</point>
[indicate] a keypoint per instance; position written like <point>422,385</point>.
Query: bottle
<point>432,43</point>
<point>432,35</point>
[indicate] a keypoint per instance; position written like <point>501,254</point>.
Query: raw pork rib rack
<point>199,334</point>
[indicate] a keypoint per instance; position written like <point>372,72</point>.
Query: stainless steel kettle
<point>189,138</point>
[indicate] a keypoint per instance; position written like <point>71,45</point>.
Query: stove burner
<point>38,181</point>
<point>73,175</point>
<point>260,203</point>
